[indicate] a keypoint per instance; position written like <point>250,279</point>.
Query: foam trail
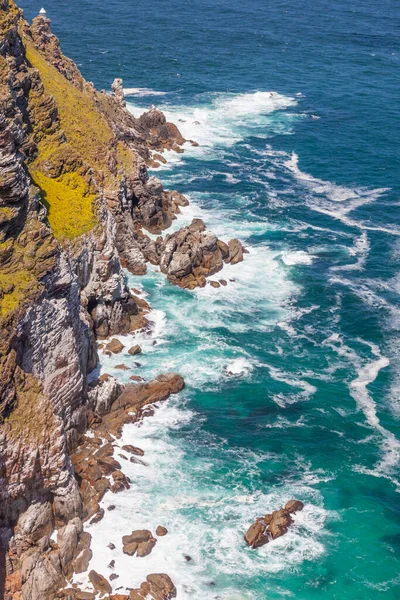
<point>221,120</point>
<point>358,388</point>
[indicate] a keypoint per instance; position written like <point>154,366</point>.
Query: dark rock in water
<point>137,364</point>
<point>122,367</point>
<point>113,576</point>
<point>187,557</point>
<point>111,507</point>
<point>272,526</point>
<point>111,546</point>
<point>161,531</point>
<point>111,565</point>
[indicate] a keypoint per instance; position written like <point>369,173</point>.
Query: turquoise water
<point>308,179</point>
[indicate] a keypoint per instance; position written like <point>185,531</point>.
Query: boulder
<point>114,346</point>
<point>135,350</point>
<point>161,531</point>
<point>293,506</point>
<point>158,586</point>
<point>100,583</point>
<point>81,562</point>
<point>133,450</point>
<point>235,252</point>
<point>139,542</point>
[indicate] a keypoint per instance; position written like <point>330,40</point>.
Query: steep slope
<point>75,204</point>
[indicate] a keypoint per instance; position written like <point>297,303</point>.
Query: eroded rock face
<point>272,526</point>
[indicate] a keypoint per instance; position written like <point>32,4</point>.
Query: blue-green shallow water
<point>310,324</point>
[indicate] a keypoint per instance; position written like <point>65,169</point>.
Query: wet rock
<point>113,576</point>
<point>111,565</point>
<point>187,557</point>
<point>122,367</point>
<point>100,583</point>
<point>136,378</point>
<point>111,507</point>
<point>161,531</point>
<point>223,282</point>
<point>272,526</point>
<point>214,284</point>
<point>135,350</point>
<point>133,450</point>
<point>111,546</point>
<point>293,506</point>
<point>121,482</point>
<point>115,346</point>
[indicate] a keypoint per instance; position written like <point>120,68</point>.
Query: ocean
<point>292,370</point>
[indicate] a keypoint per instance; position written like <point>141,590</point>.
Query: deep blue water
<point>308,179</point>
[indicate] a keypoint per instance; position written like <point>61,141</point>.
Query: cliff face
<point>73,190</point>
<point>75,204</point>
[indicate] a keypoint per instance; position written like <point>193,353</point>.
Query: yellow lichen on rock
<point>69,204</point>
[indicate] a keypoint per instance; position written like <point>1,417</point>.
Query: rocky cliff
<point>76,202</point>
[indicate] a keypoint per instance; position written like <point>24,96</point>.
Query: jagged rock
<point>161,531</point>
<point>99,583</point>
<point>115,346</point>
<point>103,392</point>
<point>135,350</point>
<point>272,525</point>
<point>118,90</point>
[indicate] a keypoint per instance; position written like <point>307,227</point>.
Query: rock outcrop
<point>273,525</point>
